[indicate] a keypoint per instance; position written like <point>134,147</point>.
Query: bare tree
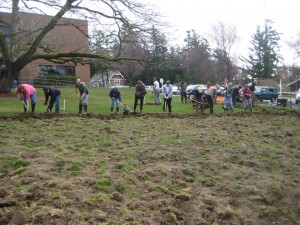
<point>224,37</point>
<point>294,44</point>
<point>21,51</point>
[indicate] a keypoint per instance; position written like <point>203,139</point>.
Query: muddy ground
<point>150,169</point>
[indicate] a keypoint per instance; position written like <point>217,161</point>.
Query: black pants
<point>167,104</point>
<point>141,98</point>
<point>211,103</point>
<point>183,96</point>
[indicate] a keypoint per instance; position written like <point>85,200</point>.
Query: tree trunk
<point>6,80</point>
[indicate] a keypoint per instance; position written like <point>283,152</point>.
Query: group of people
<point>27,94</point>
<point>239,94</point>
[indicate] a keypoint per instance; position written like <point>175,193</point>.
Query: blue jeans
<point>84,100</point>
<point>32,99</point>
<point>228,100</point>
<point>156,94</point>
<point>113,100</point>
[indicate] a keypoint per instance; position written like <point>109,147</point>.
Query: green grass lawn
<point>99,102</point>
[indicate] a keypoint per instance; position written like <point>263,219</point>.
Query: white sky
<point>245,15</point>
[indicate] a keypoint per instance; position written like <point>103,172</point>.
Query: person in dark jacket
<point>198,94</point>
<point>140,92</point>
<point>115,96</point>
<point>54,95</point>
<point>83,95</point>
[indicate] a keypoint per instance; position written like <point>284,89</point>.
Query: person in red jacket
<point>247,95</point>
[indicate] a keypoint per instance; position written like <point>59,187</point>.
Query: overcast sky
<point>245,15</point>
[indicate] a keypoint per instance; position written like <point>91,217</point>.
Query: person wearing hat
<point>167,93</point>
<point>115,96</point>
<point>198,98</point>
<point>54,95</point>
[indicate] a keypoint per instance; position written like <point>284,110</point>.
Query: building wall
<point>63,38</point>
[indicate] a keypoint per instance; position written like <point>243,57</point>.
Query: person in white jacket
<point>167,93</point>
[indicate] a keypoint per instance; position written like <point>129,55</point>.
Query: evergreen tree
<point>264,53</point>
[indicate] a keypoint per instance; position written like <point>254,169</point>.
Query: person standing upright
<point>140,92</point>
<point>54,95</point>
<point>27,93</point>
<point>156,91</point>
<point>211,94</point>
<point>182,88</point>
<point>167,92</point>
<point>228,97</point>
<point>83,95</point>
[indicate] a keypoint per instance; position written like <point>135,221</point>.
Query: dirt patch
<point>150,169</point>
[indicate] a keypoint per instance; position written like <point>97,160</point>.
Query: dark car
<point>266,93</point>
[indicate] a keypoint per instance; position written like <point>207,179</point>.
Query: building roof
<point>98,77</point>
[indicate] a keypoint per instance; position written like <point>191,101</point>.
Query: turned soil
<point>240,168</point>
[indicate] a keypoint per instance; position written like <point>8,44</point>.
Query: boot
<point>117,110</point>
<point>80,108</point>
<point>111,110</point>
<point>32,108</point>
<point>85,109</point>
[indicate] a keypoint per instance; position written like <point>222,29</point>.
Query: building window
<point>56,70</point>
<point>116,81</point>
<point>6,29</point>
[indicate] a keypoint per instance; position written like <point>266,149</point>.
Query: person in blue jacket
<point>54,95</point>
<point>198,98</point>
<point>115,96</point>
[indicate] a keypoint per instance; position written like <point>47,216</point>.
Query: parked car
<point>175,90</point>
<point>266,93</point>
<point>149,87</point>
<point>221,91</point>
<point>297,97</point>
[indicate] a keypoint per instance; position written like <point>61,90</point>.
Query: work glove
<point>45,103</point>
<point>113,98</point>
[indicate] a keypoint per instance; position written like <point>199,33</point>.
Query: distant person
<point>211,95</point>
<point>139,95</point>
<point>228,97</point>
<point>198,98</point>
<point>167,92</point>
<point>182,88</point>
<point>208,85</point>
<point>27,93</point>
<point>115,97</point>
<point>156,91</point>
<point>235,95</point>
<point>252,89</point>
<point>247,98</point>
<point>83,93</point>
<point>54,95</point>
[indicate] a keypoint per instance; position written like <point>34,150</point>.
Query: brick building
<point>69,35</point>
